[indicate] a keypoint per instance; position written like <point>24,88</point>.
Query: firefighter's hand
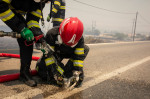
<point>76,75</point>
<point>27,34</point>
<point>37,32</point>
<point>44,51</point>
<point>58,75</point>
<point>48,18</point>
<point>79,76</point>
<point>59,79</point>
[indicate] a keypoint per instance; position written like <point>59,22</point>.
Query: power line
<point>102,8</point>
<point>135,25</point>
<point>144,19</point>
<point>93,13</point>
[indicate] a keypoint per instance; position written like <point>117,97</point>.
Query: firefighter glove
<point>27,34</point>
<point>58,76</point>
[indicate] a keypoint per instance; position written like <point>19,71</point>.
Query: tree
<point>120,36</point>
<point>96,32</point>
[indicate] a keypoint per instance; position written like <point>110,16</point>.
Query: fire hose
<point>67,81</point>
<point>16,56</point>
<point>10,77</point>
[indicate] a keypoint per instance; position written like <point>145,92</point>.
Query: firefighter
<point>68,43</point>
<point>22,16</point>
<point>57,12</point>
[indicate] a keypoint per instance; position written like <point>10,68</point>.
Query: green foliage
<point>143,37</point>
<point>120,36</point>
<point>92,40</point>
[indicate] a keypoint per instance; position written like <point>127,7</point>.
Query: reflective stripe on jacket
<point>12,13</point>
<point>58,10</point>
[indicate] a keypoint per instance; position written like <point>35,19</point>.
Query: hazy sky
<point>108,20</point>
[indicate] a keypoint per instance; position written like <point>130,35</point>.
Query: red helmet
<point>71,30</point>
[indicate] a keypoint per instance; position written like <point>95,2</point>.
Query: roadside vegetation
<point>96,36</point>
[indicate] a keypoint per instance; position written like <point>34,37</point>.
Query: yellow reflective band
<point>56,2</point>
<point>37,13</point>
<point>34,26</point>
<point>23,15</point>
<point>54,10</point>
<point>79,51</point>
<point>33,23</point>
<point>57,19</point>
<point>62,7</point>
<point>7,1</point>
<point>53,47</point>
<point>49,61</point>
<point>7,15</point>
<point>61,71</point>
<point>78,63</point>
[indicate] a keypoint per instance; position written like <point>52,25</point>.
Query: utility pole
<point>132,28</point>
<point>135,25</point>
<point>93,26</point>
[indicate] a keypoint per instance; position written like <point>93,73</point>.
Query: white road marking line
<point>28,94</point>
<point>99,79</point>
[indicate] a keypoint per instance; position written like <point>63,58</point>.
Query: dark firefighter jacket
<point>12,13</point>
<point>48,66</point>
<point>76,54</point>
<point>58,10</point>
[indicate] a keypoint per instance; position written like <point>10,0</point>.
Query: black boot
<point>81,78</point>
<point>26,77</point>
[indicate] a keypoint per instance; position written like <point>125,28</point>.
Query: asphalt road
<point>112,71</point>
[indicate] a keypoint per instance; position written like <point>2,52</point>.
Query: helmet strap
<point>74,45</point>
<point>59,39</point>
